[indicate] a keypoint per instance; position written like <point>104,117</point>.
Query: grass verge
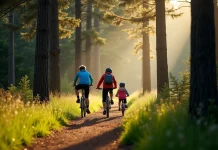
<point>21,122</point>
<point>153,125</point>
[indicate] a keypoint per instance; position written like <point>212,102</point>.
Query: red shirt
<point>107,86</point>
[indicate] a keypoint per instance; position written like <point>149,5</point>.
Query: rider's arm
<point>100,81</point>
<point>91,79</point>
<point>115,82</point>
<point>75,79</point>
<point>127,93</point>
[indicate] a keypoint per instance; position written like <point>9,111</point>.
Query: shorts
<point>85,87</point>
<point>105,93</point>
<point>120,100</point>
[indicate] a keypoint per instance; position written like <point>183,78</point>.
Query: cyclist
<point>85,80</point>
<point>122,93</point>
<point>109,84</point>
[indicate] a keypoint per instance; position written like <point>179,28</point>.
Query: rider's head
<point>122,84</point>
<point>108,70</point>
<point>82,67</point>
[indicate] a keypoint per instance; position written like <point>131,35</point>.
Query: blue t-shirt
<point>84,77</point>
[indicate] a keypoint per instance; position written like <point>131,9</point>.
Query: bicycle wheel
<point>82,107</point>
<point>123,109</point>
<point>107,107</point>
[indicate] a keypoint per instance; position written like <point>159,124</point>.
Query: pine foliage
<point>136,12</point>
<point>27,14</point>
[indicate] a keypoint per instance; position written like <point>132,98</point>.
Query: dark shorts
<point>85,87</point>
<point>105,93</point>
<point>122,99</point>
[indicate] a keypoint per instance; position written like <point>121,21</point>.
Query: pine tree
<point>40,85</point>
<point>216,26</point>
<point>88,36</point>
<point>141,12</point>
<point>11,65</point>
<point>203,88</point>
<point>161,46</point>
<point>96,50</point>
<point>54,61</point>
<point>78,35</point>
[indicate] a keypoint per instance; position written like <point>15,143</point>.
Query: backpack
<point>108,79</point>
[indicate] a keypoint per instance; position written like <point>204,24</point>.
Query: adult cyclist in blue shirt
<point>85,80</point>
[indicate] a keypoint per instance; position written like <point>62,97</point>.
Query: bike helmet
<point>122,84</point>
<point>82,67</point>
<point>108,70</point>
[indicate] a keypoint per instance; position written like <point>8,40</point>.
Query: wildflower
<point>13,139</point>
<point>24,127</point>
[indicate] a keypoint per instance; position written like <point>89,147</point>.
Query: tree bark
<point>54,80</point>
<point>11,66</point>
<point>216,27</point>
<point>78,32</point>
<point>146,75</point>
<point>96,51</point>
<point>203,64</point>
<point>88,38</point>
<point>40,85</point>
<point>161,46</point>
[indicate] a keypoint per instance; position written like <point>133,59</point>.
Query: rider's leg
<point>77,93</point>
<point>119,104</point>
<point>87,99</point>
<point>104,95</point>
<point>111,96</point>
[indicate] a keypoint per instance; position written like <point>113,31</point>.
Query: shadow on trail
<point>97,142</point>
<point>90,122</point>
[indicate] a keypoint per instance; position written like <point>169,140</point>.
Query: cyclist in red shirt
<point>109,84</point>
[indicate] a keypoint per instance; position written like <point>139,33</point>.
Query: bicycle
<point>83,106</point>
<point>108,104</point>
<point>123,107</point>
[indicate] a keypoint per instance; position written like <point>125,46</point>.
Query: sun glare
<point>176,3</point>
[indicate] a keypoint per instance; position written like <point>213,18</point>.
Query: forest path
<point>94,132</point>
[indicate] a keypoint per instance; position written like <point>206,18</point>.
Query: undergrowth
<point>22,120</point>
<point>165,123</point>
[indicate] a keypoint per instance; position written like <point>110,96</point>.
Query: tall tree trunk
<point>203,64</point>
<point>54,79</point>
<point>88,38</point>
<point>146,75</point>
<point>40,85</point>
<point>11,67</point>
<point>96,51</point>
<point>161,46</point>
<point>78,32</point>
<point>216,27</point>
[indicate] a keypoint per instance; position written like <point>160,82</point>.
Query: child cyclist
<point>109,84</point>
<point>122,93</point>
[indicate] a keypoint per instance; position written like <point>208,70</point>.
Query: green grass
<point>20,123</point>
<point>159,125</point>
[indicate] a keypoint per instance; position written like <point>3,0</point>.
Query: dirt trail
<point>95,132</point>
